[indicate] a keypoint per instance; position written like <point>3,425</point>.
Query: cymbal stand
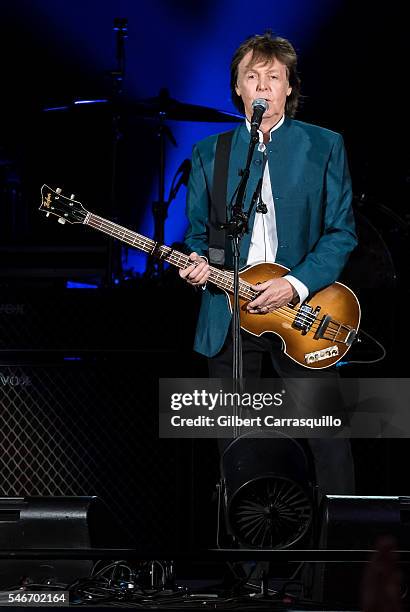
<point>155,267</point>
<point>120,27</point>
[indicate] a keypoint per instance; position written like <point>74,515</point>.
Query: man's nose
<point>263,84</point>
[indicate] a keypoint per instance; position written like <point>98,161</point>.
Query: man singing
<point>305,222</point>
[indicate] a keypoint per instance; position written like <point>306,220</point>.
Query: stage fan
<point>268,492</point>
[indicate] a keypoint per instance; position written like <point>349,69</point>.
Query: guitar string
<point>224,278</point>
<point>133,238</point>
<point>180,260</point>
<point>248,293</point>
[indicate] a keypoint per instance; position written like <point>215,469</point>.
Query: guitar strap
<point>218,240</point>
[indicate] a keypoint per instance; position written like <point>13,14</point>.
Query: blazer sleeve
<point>197,207</point>
<point>324,264</point>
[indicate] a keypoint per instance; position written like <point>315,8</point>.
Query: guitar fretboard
<point>220,278</point>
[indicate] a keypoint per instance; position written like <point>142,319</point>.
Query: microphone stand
<point>120,27</point>
<point>237,226</point>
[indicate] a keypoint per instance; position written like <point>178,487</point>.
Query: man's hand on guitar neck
<point>273,294</point>
<point>198,273</point>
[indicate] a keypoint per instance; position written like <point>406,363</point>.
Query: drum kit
<point>380,259</point>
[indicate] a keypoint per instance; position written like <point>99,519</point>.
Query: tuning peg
<point>72,196</point>
<point>47,214</point>
<point>61,220</point>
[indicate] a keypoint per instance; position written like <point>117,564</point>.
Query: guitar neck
<point>220,278</point>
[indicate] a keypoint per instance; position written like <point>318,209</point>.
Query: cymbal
<point>163,106</point>
<point>160,107</point>
<point>80,103</point>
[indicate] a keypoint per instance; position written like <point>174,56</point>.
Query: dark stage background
<point>80,359</point>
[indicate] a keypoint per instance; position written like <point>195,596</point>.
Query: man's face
<point>268,80</point>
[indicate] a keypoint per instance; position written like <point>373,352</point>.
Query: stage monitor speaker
<point>52,522</point>
<point>357,523</point>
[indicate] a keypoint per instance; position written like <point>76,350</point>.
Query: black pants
<point>333,462</point>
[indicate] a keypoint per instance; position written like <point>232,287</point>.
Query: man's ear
<point>289,91</point>
<point>237,90</point>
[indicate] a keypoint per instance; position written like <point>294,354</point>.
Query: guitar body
<point>336,300</point>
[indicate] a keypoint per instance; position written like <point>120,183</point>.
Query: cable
<point>362,361</point>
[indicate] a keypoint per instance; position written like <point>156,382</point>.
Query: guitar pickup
<point>305,318</point>
<point>323,325</point>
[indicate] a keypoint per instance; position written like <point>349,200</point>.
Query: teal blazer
<point>312,193</point>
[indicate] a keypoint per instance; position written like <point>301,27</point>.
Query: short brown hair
<point>266,47</point>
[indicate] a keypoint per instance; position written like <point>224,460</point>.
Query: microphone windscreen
<point>260,102</point>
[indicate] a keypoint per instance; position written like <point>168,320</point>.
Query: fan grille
<point>270,512</point>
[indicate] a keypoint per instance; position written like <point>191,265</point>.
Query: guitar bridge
<point>323,325</point>
<point>305,318</point>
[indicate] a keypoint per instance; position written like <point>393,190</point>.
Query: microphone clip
<point>262,208</point>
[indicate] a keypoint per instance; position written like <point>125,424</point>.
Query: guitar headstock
<point>66,209</point>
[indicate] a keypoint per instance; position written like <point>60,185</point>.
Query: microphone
<point>259,107</point>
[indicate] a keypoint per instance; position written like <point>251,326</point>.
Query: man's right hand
<point>198,273</point>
